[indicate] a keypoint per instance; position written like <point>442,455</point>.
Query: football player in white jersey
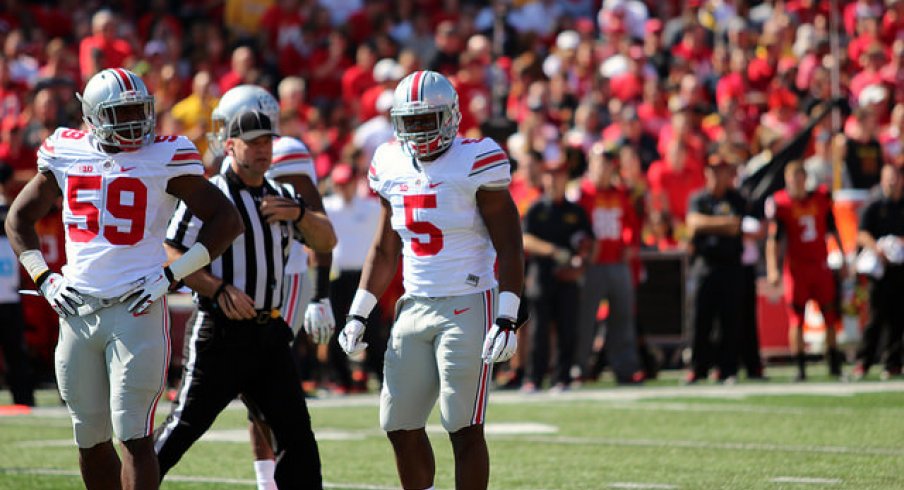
<point>448,212</point>
<point>120,185</point>
<point>292,164</point>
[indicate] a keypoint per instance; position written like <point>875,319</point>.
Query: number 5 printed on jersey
<point>126,199</point>
<point>420,247</point>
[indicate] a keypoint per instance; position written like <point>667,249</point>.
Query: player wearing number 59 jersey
<point>120,185</point>
<point>448,213</point>
<point>804,219</point>
<point>115,206</point>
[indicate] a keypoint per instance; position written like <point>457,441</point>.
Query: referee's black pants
<point>230,358</point>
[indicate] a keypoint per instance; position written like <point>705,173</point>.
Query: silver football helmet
<point>417,97</point>
<point>234,102</point>
<point>118,109</point>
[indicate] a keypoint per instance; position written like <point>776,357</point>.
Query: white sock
<point>264,470</point>
<point>431,487</point>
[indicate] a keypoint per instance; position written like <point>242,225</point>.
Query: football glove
<point>147,290</point>
<point>351,339</point>
<point>319,322</point>
<point>63,298</point>
<point>501,342</point>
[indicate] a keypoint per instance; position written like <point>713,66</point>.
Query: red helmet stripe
<point>415,86</point>
<point>125,78</point>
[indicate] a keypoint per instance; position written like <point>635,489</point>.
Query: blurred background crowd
<point>644,95</point>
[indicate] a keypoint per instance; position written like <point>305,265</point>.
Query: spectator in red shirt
<point>328,62</point>
<point>616,229</point>
<point>358,78</point>
<point>893,21</point>
<point>867,33</point>
<point>103,49</point>
<point>243,69</point>
<point>654,112</point>
<point>871,61</point>
<point>763,67</point>
<point>672,181</point>
<point>693,48</point>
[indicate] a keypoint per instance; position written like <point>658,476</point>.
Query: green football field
<point>772,435</point>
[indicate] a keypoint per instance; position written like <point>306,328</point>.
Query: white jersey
<point>446,248</point>
<point>290,157</point>
<point>115,206</point>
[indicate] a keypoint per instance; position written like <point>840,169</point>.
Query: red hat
<point>342,173</point>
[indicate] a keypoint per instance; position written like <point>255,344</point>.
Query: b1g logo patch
<point>472,280</point>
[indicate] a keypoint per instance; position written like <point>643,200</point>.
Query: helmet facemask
<point>425,130</point>
<point>127,123</point>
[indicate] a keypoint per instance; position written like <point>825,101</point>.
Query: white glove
<point>63,298</point>
<point>147,290</point>
<point>351,338</point>
<point>501,342</point>
<point>319,322</point>
<point>891,248</point>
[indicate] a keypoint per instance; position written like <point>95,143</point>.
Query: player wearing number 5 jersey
<point>120,185</point>
<point>803,219</point>
<point>447,211</point>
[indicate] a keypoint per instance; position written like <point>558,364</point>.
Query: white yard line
<point>709,445</point>
<point>633,485</point>
<point>806,480</point>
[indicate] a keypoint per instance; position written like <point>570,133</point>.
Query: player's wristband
<point>322,283</point>
<point>360,318</point>
<point>508,305</point>
<point>363,303</point>
<point>195,258</point>
<point>41,278</point>
<point>506,324</point>
<point>34,263</point>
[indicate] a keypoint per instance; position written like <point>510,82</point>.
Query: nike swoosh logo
<point>432,186</point>
<point>459,312</point>
<point>126,169</point>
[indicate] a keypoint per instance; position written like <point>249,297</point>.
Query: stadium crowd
<point>624,101</point>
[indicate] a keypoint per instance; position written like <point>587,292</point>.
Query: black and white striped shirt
<point>256,259</point>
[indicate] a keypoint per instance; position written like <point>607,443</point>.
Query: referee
<point>239,343</point>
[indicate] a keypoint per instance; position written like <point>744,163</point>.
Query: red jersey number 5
<point>133,210</point>
<point>434,244</point>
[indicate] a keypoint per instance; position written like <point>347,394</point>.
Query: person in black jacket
<point>714,224</point>
<point>882,233</point>
<point>557,239</point>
